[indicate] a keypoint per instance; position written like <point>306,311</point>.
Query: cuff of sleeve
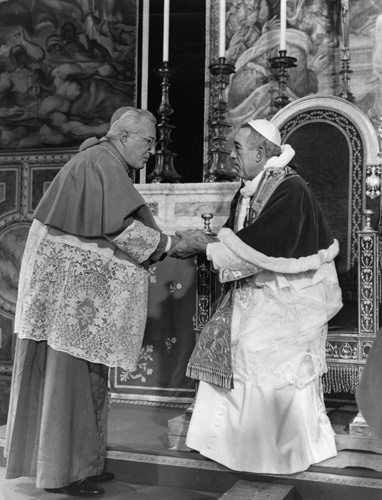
<point>168,245</point>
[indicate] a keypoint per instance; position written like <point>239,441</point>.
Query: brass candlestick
<point>219,169</point>
<point>282,62</point>
<point>164,170</point>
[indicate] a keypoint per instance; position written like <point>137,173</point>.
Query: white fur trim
<point>276,264</point>
<point>287,153</point>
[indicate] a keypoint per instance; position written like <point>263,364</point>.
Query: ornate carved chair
<point>338,154</point>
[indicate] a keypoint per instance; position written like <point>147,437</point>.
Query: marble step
<point>195,474</point>
<point>246,490</point>
<point>356,445</point>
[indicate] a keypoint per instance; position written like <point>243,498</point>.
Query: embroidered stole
<point>268,183</point>
<point>211,360</point>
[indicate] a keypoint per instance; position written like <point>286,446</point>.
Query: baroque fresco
<point>314,38</point>
<point>65,66</point>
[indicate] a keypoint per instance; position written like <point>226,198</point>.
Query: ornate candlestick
<point>164,170</point>
<point>345,76</point>
<point>345,55</point>
<point>282,62</point>
<point>219,169</point>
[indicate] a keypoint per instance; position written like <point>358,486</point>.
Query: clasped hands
<point>190,243</point>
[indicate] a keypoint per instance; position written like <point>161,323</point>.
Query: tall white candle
<point>145,68</point>
<point>345,23</point>
<point>283,24</point>
<point>222,15</point>
<point>166,28</point>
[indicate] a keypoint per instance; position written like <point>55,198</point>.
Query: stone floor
<point>25,489</point>
<point>142,428</point>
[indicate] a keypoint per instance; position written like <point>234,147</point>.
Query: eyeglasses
<point>151,141</point>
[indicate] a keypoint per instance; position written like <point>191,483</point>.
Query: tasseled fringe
<point>340,378</point>
<point>211,375</point>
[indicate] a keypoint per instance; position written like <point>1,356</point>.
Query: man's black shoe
<point>104,477</point>
<point>83,488</point>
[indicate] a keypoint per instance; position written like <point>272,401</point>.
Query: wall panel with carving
<point>24,177</point>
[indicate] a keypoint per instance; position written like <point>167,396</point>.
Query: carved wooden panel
<point>24,177</point>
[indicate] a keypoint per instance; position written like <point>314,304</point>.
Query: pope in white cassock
<point>259,406</point>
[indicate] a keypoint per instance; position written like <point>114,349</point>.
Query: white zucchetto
<point>267,130</point>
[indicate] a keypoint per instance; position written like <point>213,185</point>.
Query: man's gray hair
<point>255,139</point>
<point>130,121</point>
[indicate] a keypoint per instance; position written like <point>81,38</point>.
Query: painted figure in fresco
<point>253,86</point>
<point>50,94</point>
<point>90,50</point>
<point>243,27</point>
<point>371,101</point>
<point>104,27</point>
<point>20,62</point>
<point>24,51</point>
<point>71,85</point>
<point>259,406</point>
<point>63,105</point>
<point>82,301</point>
<point>21,85</point>
<point>67,103</point>
<point>55,51</point>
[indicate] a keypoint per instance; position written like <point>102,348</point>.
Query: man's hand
<point>17,37</point>
<point>192,242</point>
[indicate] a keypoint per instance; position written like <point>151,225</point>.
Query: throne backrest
<point>336,153</point>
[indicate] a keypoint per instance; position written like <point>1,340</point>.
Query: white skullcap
<point>267,130</point>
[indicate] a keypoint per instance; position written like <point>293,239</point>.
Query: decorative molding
<point>368,283</point>
<point>168,403</point>
<point>31,158</point>
<point>373,181</point>
<point>24,191</point>
<point>341,350</point>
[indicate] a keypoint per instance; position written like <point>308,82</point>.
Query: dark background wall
<point>186,94</point>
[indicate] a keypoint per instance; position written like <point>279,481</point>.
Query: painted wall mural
<point>314,38</point>
<point>65,66</point>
